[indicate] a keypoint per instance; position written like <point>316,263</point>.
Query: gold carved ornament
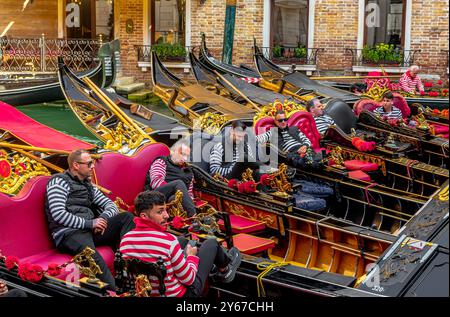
<point>248,175</point>
<point>443,195</point>
<point>87,265</point>
<point>207,221</point>
<point>375,92</point>
<point>142,286</point>
<point>279,182</point>
<point>15,171</point>
<point>175,207</point>
<point>269,110</point>
<point>211,123</point>
<point>239,210</point>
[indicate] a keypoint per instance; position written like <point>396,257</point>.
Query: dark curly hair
<point>147,199</point>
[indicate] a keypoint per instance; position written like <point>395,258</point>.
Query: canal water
<point>58,115</point>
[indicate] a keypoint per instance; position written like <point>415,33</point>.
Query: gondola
<point>192,101</point>
<point>32,91</point>
<point>111,118</point>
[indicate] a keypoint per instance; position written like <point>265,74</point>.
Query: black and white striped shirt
<point>217,164</point>
<point>323,123</point>
<point>288,143</point>
<point>394,114</point>
<point>57,193</point>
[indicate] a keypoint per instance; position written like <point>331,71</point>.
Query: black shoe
<point>227,276</point>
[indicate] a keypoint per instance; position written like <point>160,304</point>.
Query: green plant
<point>277,51</point>
<point>382,53</point>
<point>300,52</point>
<point>167,50</point>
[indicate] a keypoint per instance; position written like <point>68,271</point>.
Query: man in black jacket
<point>80,216</point>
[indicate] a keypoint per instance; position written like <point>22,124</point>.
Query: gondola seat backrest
<point>24,229</point>
<point>341,113</point>
<point>370,105</point>
<point>302,119</point>
<point>125,175</point>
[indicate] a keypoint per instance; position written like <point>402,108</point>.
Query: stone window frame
<point>361,25</point>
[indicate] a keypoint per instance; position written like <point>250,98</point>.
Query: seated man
<point>323,121</point>
<point>290,139</point>
<point>387,110</point>
<point>168,174</point>
<point>231,157</point>
<point>80,216</point>
<point>186,275</point>
<point>411,82</point>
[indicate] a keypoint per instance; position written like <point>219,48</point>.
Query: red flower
<point>439,82</point>
<point>250,187</point>
<point>36,273</point>
<point>428,84</point>
<point>24,270</point>
<point>53,269</point>
<point>264,179</point>
<point>177,222</point>
<point>422,93</point>
<point>436,111</point>
<point>233,183</point>
<point>5,169</point>
<point>241,187</point>
<point>11,262</point>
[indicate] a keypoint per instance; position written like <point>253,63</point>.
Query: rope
<point>266,267</point>
<point>367,194</point>
<point>409,166</point>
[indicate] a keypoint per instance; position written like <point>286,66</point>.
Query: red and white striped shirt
<point>409,84</point>
<point>158,176</point>
<point>149,241</point>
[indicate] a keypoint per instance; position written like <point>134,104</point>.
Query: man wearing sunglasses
<point>290,139</point>
<point>323,121</point>
<point>80,216</point>
<point>168,174</point>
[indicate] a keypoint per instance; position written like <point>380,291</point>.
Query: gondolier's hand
<point>190,250</point>
<point>302,149</point>
<point>99,225</point>
<point>3,287</point>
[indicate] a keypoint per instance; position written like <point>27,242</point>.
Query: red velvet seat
<point>302,119</point>
<point>249,244</point>
<point>359,175</point>
<point>353,165</point>
<point>370,105</point>
<point>124,175</point>
<point>240,224</point>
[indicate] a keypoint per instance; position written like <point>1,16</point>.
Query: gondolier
<point>168,174</point>
<point>80,216</point>
<point>411,82</point>
<point>323,121</point>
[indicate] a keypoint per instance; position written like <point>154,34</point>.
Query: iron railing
<point>292,55</point>
<point>402,58</point>
<point>41,54</point>
<point>166,52</point>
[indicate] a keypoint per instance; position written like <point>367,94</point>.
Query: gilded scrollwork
<point>211,123</point>
<point>15,171</point>
<point>251,213</point>
<point>289,107</point>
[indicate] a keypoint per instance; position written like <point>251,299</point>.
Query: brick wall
<point>336,28</point>
<point>429,33</point>
<point>249,24</point>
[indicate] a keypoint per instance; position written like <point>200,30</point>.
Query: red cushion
<point>440,128</point>
<point>365,104</point>
<point>249,244</point>
<point>306,123</point>
<point>200,203</point>
<point>263,125</point>
<point>124,175</point>
<point>400,102</point>
<point>360,175</point>
<point>353,165</point>
<point>23,224</point>
<point>53,256</point>
<point>241,224</point>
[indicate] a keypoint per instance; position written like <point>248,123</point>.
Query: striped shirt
<point>289,143</point>
<point>58,192</point>
<point>149,241</point>
<point>217,164</point>
<point>394,114</point>
<point>158,176</point>
<point>409,84</point>
<point>323,123</point>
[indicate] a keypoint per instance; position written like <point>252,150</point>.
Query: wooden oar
<point>41,149</point>
<point>114,108</point>
<point>238,91</point>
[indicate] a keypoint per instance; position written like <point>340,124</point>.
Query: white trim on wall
<point>266,23</point>
<point>61,15</point>
<point>361,14</point>
<point>311,16</point>
<point>188,23</point>
<point>146,40</point>
<point>408,25</point>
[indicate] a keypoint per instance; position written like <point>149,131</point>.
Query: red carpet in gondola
<point>35,133</point>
